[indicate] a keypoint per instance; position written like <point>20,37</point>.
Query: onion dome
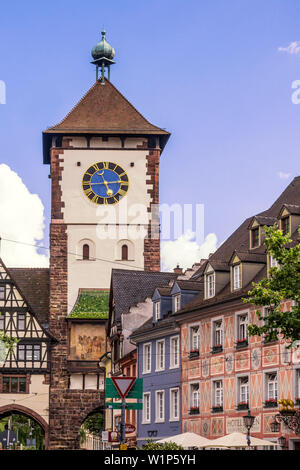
<point>103,49</point>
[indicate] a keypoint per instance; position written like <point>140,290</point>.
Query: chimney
<point>177,270</point>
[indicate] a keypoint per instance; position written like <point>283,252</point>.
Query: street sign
<point>137,389</point>
<point>123,446</point>
<point>129,406</point>
<point>129,428</point>
<point>123,384</point>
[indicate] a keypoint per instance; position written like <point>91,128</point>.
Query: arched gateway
<point>11,409</point>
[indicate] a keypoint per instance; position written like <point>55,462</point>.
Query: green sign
<point>129,406</point>
<point>135,392</point>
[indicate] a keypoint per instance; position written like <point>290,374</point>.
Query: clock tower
<point>104,160</point>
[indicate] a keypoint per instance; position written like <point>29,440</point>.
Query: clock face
<point>105,183</point>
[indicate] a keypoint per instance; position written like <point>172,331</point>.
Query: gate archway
<point>14,409</point>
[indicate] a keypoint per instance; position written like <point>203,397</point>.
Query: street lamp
<point>248,423</point>
<point>282,441</point>
<point>275,426</point>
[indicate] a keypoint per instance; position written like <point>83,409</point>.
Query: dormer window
<point>156,310</point>
<point>236,277</point>
<point>255,237</point>
<point>177,302</point>
<point>285,225</point>
<point>210,285</point>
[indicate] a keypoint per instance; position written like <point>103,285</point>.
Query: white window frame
<point>194,335</point>
<point>157,310</point>
<point>267,382</point>
<point>146,369</point>
<point>236,279</point>
<point>158,417</point>
<point>146,409</point>
<point>177,302</point>
<point>172,409</point>
<point>238,324</point>
<point>213,331</point>
<point>210,285</point>
<point>273,262</point>
<point>216,399</point>
<point>160,355</point>
<point>240,386</point>
<point>174,352</point>
<point>193,393</point>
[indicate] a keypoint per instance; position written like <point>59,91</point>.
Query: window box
<point>243,406</point>
<point>272,403</point>
<point>217,409</point>
<point>194,410</point>
<point>216,349</point>
<point>194,353</point>
<point>297,401</point>
<point>241,343</point>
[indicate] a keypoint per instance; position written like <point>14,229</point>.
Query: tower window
<point>124,252</point>
<point>85,252</point>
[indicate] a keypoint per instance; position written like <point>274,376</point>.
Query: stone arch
<point>7,409</point>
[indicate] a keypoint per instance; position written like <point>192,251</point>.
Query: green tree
<point>94,423</point>
<point>152,445</point>
<point>282,283</point>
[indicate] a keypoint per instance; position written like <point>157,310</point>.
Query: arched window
<point>124,252</point>
<point>85,251</point>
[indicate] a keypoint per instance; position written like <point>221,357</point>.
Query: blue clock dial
<point>105,183</point>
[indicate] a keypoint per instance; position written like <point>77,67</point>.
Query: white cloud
<point>185,251</point>
<point>293,48</point>
<point>21,219</point>
<point>283,176</point>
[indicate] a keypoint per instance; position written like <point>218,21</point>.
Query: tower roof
<point>103,110</point>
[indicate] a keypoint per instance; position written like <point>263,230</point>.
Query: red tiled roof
<point>103,109</point>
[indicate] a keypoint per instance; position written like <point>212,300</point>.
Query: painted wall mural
<point>87,341</point>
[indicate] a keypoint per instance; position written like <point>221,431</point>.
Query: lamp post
<point>248,423</point>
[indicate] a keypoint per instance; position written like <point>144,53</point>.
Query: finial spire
<point>103,53</point>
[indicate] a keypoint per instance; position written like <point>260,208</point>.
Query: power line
<point>73,254</point>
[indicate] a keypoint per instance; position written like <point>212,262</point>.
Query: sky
<point>217,74</point>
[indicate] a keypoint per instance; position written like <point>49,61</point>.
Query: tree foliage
<point>282,283</point>
<point>94,423</point>
<point>152,445</point>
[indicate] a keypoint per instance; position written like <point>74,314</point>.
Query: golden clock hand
<point>108,182</point>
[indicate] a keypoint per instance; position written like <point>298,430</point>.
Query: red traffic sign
<point>129,428</point>
<point>123,384</point>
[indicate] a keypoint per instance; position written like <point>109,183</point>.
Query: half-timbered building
<point>25,368</point>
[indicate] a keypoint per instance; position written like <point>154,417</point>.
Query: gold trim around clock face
<point>105,183</point>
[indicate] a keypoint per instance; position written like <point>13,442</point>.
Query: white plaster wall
<point>37,400</point>
<point>87,220</point>
<point>95,273</point>
<point>79,209</point>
